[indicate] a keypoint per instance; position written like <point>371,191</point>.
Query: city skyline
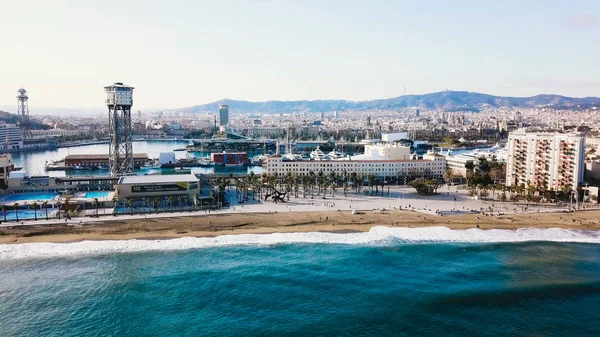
<point>180,55</point>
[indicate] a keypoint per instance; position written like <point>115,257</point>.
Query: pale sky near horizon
<point>182,53</point>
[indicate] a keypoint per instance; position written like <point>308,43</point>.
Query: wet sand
<point>286,222</point>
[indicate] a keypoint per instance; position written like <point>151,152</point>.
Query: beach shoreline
<point>213,225</point>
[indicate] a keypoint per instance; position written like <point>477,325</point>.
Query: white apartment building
<point>432,164</point>
<point>10,137</point>
<point>545,160</point>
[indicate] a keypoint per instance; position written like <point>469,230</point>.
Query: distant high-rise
<point>519,118</point>
<point>368,120</point>
<point>322,116</point>
<point>335,114</point>
<point>223,115</point>
<point>418,113</point>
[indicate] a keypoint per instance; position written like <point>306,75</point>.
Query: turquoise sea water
<point>305,289</point>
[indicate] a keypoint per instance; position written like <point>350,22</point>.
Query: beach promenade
<point>448,202</point>
<point>351,213</point>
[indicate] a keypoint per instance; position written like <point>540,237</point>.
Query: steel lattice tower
<point>23,112</point>
<point>119,99</point>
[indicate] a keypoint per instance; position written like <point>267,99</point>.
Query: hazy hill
<point>447,100</point>
<point>8,118</point>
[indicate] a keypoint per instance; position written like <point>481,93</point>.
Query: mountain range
<point>444,100</point>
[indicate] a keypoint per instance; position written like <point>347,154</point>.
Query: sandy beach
<point>286,222</point>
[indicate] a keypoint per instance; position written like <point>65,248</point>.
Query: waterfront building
<point>10,137</point>
<point>98,160</point>
<point>59,132</point>
<point>374,163</point>
<point>223,115</point>
<point>141,188</point>
<point>6,166</point>
<point>229,158</point>
<point>545,160</point>
<point>20,182</point>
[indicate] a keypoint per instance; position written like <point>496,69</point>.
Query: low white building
<point>59,132</point>
<point>10,137</point>
<point>391,137</point>
<point>432,165</point>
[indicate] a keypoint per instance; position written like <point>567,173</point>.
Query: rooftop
<point>101,156</point>
<point>157,179</point>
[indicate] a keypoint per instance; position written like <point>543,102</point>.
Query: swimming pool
<point>25,214</point>
<point>35,196</point>
<point>96,194</point>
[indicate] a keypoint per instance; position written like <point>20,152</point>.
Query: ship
<point>317,154</point>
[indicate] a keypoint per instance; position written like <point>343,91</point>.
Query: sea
<point>385,282</point>
<point>34,162</point>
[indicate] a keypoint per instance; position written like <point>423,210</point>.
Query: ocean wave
<point>377,235</point>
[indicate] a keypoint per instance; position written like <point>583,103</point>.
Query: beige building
<point>6,166</point>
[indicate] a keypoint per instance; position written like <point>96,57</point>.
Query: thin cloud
<point>586,21</point>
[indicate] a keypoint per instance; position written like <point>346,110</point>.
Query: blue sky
<point>181,53</point>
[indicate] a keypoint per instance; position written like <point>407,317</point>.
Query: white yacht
<point>335,154</point>
<point>317,154</point>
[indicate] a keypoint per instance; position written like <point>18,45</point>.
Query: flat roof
<point>157,179</point>
<point>101,156</point>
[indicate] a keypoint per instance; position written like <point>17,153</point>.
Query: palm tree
<point>115,201</point>
<point>58,206</point>
<point>16,207</point>
<point>45,206</point>
<point>4,209</point>
<point>345,187</point>
<point>130,204</point>
<point>35,207</point>
<point>96,206</point>
<point>170,200</point>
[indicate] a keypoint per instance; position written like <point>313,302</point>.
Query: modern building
<point>390,137</point>
<point>457,164</point>
<point>158,186</point>
<point>6,166</point>
<point>223,115</point>
<point>10,137</point>
<point>377,151</point>
<point>545,160</point>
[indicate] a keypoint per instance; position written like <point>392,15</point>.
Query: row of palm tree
<point>35,206</point>
<point>253,186</point>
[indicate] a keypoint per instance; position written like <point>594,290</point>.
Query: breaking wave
<point>377,235</point>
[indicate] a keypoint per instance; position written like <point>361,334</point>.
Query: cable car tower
<point>23,112</point>
<point>119,99</point>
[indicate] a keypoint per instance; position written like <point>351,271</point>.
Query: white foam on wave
<point>377,235</point>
